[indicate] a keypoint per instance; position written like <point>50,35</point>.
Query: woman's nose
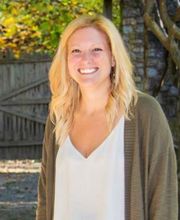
<point>86,56</point>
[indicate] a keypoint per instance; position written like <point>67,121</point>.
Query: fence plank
<point>24,99</point>
<point>23,115</point>
<point>20,143</point>
<point>23,89</point>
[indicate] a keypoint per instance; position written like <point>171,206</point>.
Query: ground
<point>18,189</point>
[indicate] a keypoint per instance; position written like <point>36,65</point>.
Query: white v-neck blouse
<point>91,188</point>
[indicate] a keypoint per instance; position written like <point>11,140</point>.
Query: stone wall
<point>149,59</point>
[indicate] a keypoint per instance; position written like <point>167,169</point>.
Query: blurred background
<point>29,34</point>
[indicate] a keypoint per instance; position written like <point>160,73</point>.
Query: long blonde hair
<point>65,91</point>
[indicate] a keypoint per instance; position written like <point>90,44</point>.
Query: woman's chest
<point>88,133</point>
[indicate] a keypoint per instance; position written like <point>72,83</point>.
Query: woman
<point>108,152</point>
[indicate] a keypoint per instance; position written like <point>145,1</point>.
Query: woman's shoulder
<point>151,119</point>
<point>49,125</point>
<point>150,114</point>
<point>148,105</point>
<point>146,100</point>
<point>49,128</point>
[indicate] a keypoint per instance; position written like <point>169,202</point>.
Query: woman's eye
<point>97,49</point>
<point>75,51</point>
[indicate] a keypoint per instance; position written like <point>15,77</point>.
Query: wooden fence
<point>24,97</point>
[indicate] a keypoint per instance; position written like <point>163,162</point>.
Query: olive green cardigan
<point>150,167</point>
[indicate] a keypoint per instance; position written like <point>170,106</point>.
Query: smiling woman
<point>89,58</point>
<point>108,152</point>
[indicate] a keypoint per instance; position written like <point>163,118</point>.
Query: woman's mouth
<point>86,71</point>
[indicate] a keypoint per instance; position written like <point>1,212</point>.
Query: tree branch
<point>152,25</point>
<point>175,52</point>
<point>171,26</point>
<point>149,6</point>
<point>173,31</point>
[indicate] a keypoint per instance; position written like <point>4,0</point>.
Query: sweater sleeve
<point>41,204</point>
<point>162,178</point>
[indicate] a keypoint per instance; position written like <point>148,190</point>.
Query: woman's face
<point>89,57</point>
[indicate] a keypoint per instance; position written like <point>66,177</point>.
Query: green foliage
<point>28,26</point>
<point>116,13</point>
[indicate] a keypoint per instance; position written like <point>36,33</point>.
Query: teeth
<point>86,71</point>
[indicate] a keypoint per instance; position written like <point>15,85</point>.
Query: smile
<point>87,71</point>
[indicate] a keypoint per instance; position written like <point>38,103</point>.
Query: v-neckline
<point>99,147</point>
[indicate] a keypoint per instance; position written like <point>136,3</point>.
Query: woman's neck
<point>93,100</point>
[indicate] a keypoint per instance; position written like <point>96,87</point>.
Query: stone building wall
<point>134,34</point>
<point>149,59</point>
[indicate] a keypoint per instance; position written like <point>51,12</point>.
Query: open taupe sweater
<point>150,166</point>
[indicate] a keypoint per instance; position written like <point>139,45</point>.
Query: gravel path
<point>18,189</point>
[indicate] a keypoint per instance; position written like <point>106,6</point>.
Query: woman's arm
<point>162,182</point>
<point>41,204</point>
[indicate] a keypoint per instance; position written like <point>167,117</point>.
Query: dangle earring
<point>113,77</point>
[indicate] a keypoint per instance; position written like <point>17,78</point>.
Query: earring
<point>113,76</point>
